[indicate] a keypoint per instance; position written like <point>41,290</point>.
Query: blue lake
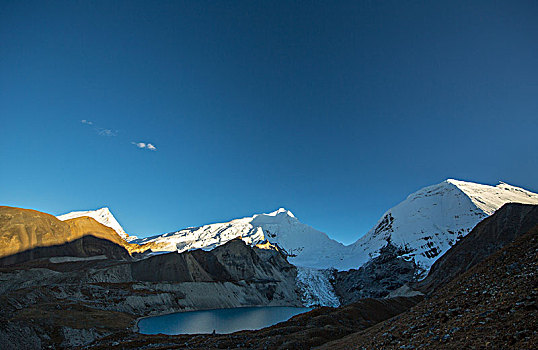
<point>221,320</point>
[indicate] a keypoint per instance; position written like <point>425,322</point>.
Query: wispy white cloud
<point>145,145</point>
<point>107,132</point>
<point>112,133</point>
<point>98,130</point>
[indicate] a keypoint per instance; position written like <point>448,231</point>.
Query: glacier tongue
<point>316,288</point>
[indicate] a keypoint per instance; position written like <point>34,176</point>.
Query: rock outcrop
<point>377,278</point>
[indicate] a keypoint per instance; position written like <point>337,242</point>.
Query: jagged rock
<point>377,278</point>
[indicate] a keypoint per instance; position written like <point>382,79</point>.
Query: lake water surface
<point>221,320</point>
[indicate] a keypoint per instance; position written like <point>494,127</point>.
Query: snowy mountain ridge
<point>429,221</point>
<point>425,225</point>
<point>305,245</point>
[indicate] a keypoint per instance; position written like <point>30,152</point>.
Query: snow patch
<point>64,259</point>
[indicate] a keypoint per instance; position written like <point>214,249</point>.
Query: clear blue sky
<point>335,110</point>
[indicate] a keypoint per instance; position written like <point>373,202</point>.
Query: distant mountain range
<point>424,226</point>
<point>80,279</point>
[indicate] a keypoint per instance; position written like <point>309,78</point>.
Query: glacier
<point>316,288</point>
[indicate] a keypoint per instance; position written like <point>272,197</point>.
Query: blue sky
<point>334,110</point>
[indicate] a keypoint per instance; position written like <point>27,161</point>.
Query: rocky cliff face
<point>234,261</point>
<point>377,278</point>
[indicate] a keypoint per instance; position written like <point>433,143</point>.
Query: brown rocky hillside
<point>25,230</point>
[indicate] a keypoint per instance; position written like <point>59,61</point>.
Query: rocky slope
<point>377,278</point>
<point>491,306</point>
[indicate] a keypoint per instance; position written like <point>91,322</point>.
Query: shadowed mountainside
<point>233,261</point>
<point>84,247</point>
<point>377,278</point>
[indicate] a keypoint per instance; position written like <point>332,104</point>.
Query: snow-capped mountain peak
<point>429,221</point>
<point>425,225</point>
<point>490,198</point>
<point>281,211</point>
<point>305,245</point>
<point>103,216</point>
<point>279,216</point>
